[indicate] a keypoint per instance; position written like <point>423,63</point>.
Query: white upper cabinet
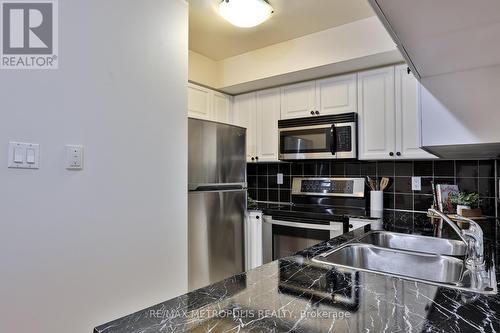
<point>208,104</point>
<point>388,115</point>
<point>199,102</point>
<point>333,95</point>
<point>336,95</point>
<point>221,107</point>
<point>298,100</point>
<point>408,116</point>
<point>376,114</point>
<point>268,114</point>
<point>386,100</point>
<point>245,115</point>
<point>259,113</point>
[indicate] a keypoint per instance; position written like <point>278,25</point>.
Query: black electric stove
<point>322,198</point>
<point>321,209</point>
<point>312,211</point>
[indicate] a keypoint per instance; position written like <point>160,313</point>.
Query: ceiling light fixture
<point>245,13</point>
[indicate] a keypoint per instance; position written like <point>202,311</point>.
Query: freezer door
<point>217,154</point>
<point>216,236</point>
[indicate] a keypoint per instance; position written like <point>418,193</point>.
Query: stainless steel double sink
<point>431,260</point>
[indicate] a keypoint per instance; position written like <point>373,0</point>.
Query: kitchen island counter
<point>296,295</point>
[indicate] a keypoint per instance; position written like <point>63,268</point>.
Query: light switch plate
<point>74,157</point>
<point>23,155</point>
<point>416,183</point>
<point>279,179</point>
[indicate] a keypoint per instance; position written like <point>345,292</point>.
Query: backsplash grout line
<point>399,197</point>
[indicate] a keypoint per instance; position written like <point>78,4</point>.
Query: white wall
<point>203,70</point>
<point>336,45</point>
<point>78,249</point>
<point>347,48</point>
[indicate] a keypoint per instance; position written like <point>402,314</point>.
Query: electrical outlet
<point>416,183</point>
<point>279,179</point>
<point>74,157</point>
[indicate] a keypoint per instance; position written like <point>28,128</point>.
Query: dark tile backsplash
<point>400,201</point>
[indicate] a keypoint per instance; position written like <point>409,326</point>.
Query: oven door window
<point>317,140</point>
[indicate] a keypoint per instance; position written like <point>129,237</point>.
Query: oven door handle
<point>333,139</point>
<point>306,225</point>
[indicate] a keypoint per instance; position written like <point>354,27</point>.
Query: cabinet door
<point>253,239</point>
<point>298,100</point>
<point>408,116</point>
<point>376,114</point>
<point>244,115</point>
<point>199,102</point>
<point>221,110</point>
<point>268,114</point>
<point>336,95</point>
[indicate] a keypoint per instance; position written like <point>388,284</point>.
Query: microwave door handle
<point>333,139</point>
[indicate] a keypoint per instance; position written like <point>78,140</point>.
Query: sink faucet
<point>472,237</point>
<point>476,272</point>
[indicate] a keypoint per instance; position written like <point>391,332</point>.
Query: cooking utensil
<point>371,184</point>
<point>384,183</point>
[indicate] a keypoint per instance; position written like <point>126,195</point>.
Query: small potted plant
<point>467,204</point>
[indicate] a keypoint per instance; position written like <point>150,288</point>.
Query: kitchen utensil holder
<point>376,203</point>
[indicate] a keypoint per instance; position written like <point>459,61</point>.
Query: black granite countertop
<point>295,295</point>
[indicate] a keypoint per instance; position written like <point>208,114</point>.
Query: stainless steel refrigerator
<point>216,201</point>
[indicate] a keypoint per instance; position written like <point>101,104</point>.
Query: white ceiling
<point>457,35</point>
<point>212,36</point>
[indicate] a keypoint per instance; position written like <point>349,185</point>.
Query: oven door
<point>282,237</point>
<point>326,141</point>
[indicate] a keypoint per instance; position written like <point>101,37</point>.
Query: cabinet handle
<point>317,113</point>
<point>408,70</point>
<point>256,158</point>
<point>257,217</point>
<point>253,159</point>
<point>312,113</point>
<point>391,154</point>
<point>398,153</point>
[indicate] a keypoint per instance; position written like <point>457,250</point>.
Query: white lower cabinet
<point>358,223</point>
<point>253,239</point>
<point>388,115</point>
<point>259,114</point>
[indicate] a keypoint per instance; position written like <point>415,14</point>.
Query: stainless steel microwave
<point>322,137</point>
